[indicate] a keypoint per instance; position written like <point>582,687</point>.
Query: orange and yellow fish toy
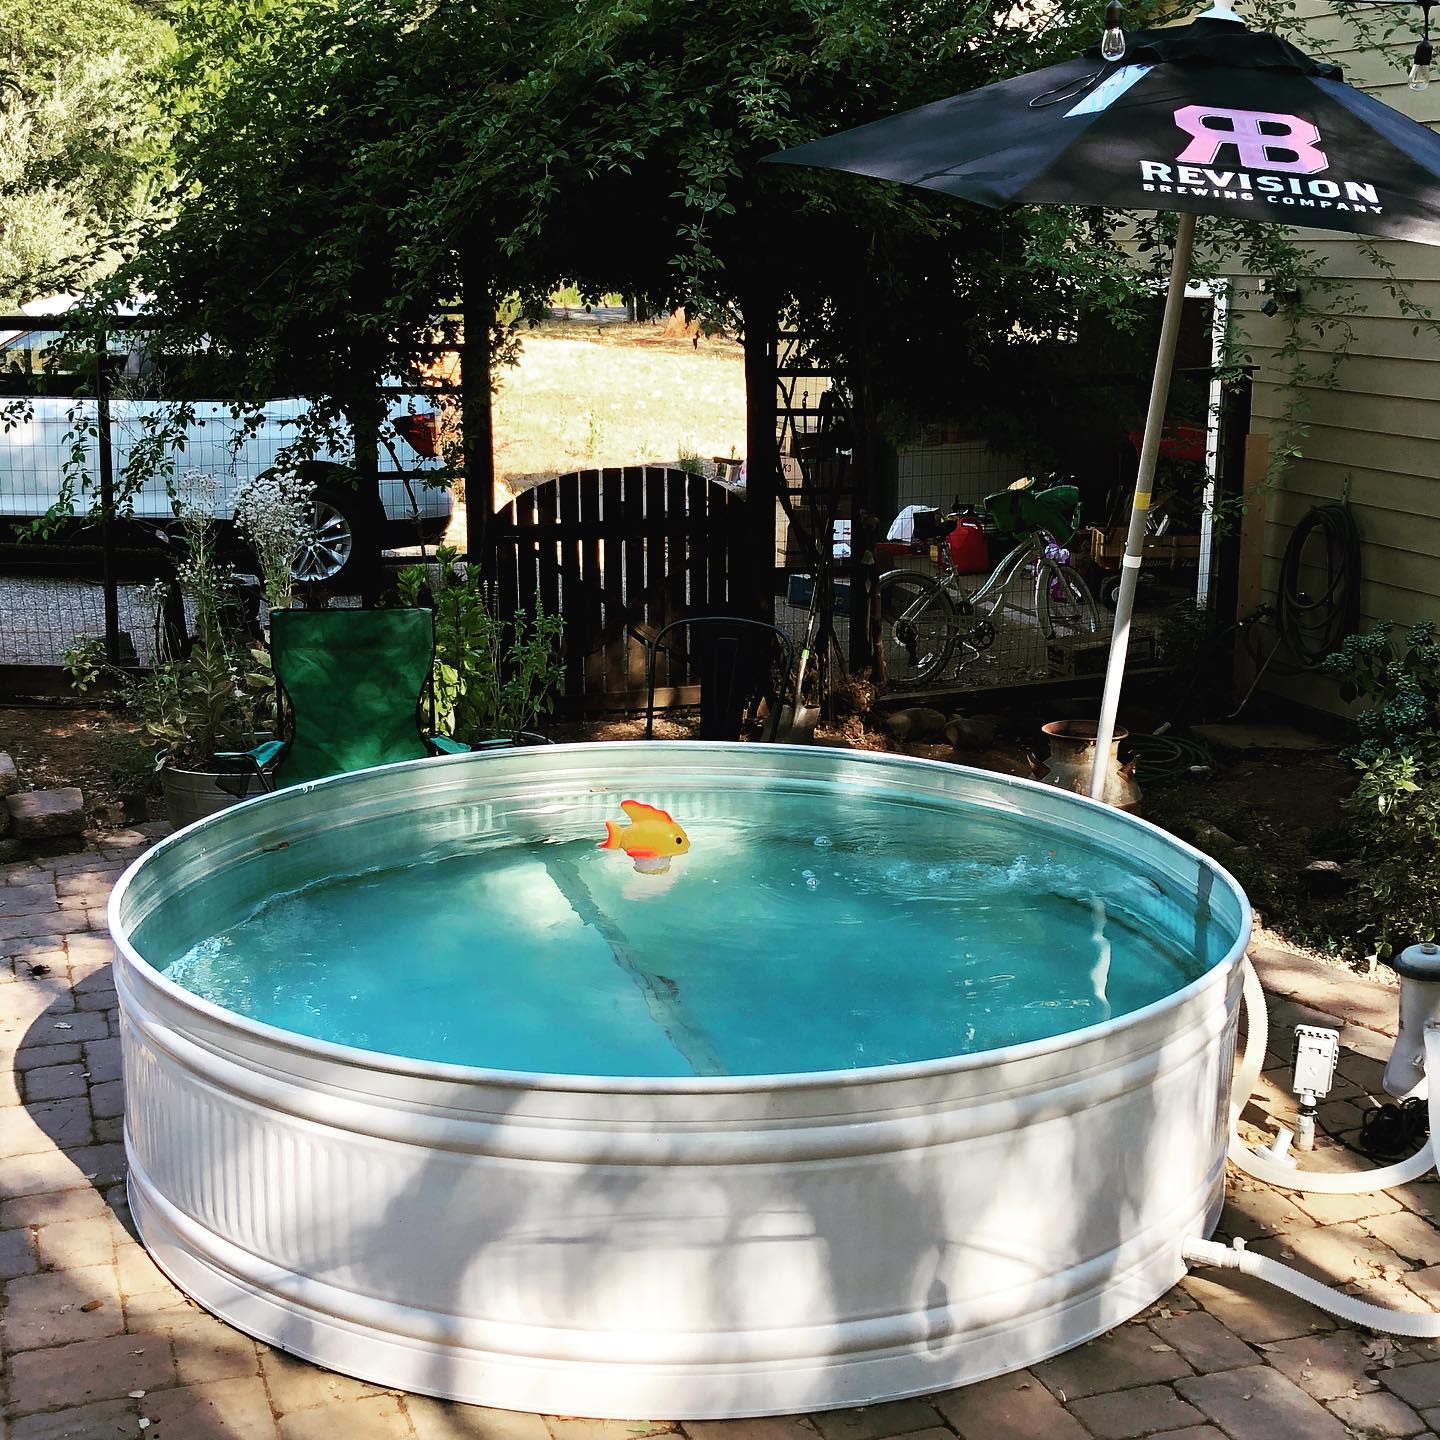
<point>651,839</point>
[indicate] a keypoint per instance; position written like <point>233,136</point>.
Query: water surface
<point>804,930</point>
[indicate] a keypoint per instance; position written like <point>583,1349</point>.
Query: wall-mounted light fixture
<point>1278,298</point>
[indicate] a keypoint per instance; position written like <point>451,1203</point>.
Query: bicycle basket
<point>1056,510</point>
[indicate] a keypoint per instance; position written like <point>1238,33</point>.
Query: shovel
<point>797,721</point>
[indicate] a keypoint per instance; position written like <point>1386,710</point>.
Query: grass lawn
<point>584,397</point>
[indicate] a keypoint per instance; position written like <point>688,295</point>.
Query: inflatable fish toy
<point>651,839</point>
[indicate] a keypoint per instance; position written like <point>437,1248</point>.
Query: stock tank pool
<point>832,1077</point>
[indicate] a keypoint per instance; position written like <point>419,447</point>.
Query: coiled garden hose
<point>1166,758</point>
<point>1313,625</point>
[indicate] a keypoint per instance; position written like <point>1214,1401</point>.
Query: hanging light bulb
<point>1424,51</point>
<point>1112,43</point>
<point>1420,70</point>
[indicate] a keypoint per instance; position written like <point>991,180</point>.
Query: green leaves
<point>492,678</point>
<point>80,137</point>
<point>218,696</point>
<point>338,162</point>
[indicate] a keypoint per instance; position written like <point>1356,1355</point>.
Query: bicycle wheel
<point>1063,602</point>
<point>917,626</point>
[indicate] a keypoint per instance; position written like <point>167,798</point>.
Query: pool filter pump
<point>1419,972</point>
<point>1317,1050</point>
<point>1417,1047</point>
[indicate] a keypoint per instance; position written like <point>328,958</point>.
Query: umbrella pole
<point>1144,482</point>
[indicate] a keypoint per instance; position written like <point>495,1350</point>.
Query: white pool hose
<point>1287,1278</point>
<point>1287,1176</point>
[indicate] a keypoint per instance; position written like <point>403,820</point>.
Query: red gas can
<point>969,552</point>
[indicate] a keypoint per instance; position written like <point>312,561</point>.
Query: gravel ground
<point>42,616</point>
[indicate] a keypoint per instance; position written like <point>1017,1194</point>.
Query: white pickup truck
<point>45,437</point>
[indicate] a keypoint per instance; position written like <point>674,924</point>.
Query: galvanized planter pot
<point>191,795</point>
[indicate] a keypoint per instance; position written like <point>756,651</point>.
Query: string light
<point>1420,70</point>
<point>1424,54</point>
<point>1112,43</point>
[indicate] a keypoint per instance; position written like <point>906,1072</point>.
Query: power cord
<point>1390,1130</point>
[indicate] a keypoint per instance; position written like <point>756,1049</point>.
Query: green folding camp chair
<point>353,682</point>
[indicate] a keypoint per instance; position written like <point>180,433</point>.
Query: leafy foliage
<point>81,137</point>
<point>1399,692</point>
<point>1393,859</point>
<point>493,678</point>
<point>1391,839</point>
<point>220,695</point>
<point>354,161</point>
<point>345,171</point>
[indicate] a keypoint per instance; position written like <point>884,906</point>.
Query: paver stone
<point>1260,1404</point>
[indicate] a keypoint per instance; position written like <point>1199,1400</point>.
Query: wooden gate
<point>619,553</point>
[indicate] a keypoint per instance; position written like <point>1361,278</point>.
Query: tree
<point>356,166</point>
<point>80,136</point>
<point>320,221</point>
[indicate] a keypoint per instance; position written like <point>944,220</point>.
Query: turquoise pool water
<point>802,931</point>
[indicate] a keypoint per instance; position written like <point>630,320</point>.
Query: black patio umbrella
<point>1208,118</point>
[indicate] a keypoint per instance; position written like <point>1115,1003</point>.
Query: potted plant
<point>217,696</point>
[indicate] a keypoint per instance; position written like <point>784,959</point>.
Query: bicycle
<point>922,618</point>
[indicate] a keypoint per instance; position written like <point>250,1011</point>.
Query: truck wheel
<point>339,537</point>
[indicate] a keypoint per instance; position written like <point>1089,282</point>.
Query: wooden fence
<point>619,554</point>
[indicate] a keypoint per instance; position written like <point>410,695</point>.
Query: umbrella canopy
<point>1209,118</point>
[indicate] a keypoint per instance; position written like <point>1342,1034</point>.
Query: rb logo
<point>1288,143</point>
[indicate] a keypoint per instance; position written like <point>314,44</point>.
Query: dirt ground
<point>584,397</point>
<point>92,747</point>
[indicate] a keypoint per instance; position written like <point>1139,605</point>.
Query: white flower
<point>196,494</point>
<point>272,512</point>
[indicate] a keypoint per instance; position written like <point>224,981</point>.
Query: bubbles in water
<point>811,879</point>
<point>823,842</point>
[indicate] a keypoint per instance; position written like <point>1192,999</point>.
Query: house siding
<point>1376,434</point>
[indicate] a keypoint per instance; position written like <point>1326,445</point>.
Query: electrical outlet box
<point>1316,1051</point>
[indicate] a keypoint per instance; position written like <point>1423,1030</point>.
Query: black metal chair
<point>733,658</point>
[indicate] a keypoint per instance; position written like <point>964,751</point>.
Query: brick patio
<point>97,1344</point>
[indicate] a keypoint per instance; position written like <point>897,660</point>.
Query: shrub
<point>1400,692</point>
<point>1391,838</point>
<point>219,695</point>
<point>491,679</point>
<point>1392,848</point>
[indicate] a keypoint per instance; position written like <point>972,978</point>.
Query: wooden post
<point>476,416</point>
<point>367,416</point>
<point>105,458</point>
<point>1249,568</point>
<point>756,583</point>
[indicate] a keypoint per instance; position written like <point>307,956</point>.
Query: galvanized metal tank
<point>677,1247</point>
